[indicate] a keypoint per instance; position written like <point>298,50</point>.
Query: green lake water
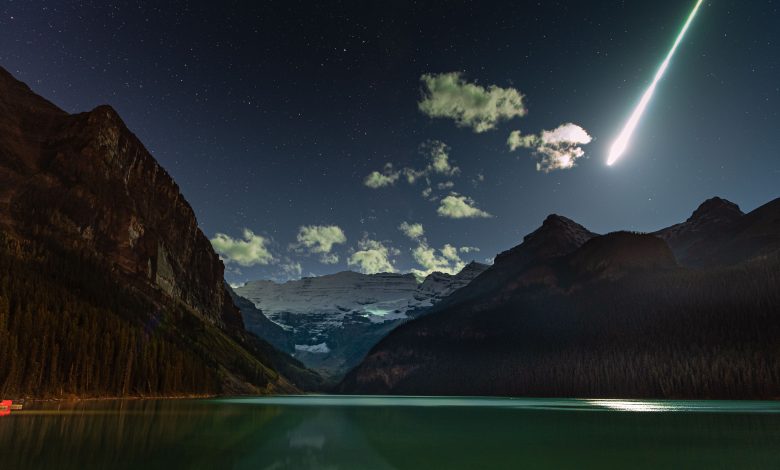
<point>332,432</point>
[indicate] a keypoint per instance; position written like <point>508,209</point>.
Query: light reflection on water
<point>559,404</point>
<point>392,432</point>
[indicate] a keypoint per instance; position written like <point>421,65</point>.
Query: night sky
<point>272,115</point>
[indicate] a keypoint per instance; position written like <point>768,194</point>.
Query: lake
<point>336,432</point>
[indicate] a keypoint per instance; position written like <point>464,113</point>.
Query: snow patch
<point>321,348</point>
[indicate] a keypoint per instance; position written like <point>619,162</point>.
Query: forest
<point>673,333</point>
<point>68,328</point>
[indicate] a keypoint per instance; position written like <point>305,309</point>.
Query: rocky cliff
<point>85,182</point>
<point>103,253</point>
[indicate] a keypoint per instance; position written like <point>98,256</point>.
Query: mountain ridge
<point>719,233</point>
<point>618,316</point>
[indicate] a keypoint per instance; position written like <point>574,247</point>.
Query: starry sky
<point>295,127</point>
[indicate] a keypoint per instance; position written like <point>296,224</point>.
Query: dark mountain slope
<point>109,286</point>
<point>556,237</point>
<point>616,317</point>
<point>718,233</point>
<point>256,322</point>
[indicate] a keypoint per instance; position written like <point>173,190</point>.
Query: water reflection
<point>383,433</point>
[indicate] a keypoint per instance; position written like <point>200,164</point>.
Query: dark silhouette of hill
<point>614,316</point>
<point>718,233</point>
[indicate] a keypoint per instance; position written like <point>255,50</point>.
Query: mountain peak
<point>560,228</point>
<point>716,208</point>
<point>559,222</point>
<point>472,266</point>
<point>557,236</point>
<point>712,223</point>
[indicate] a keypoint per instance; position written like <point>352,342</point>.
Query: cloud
<point>413,231</point>
<point>445,185</point>
<point>387,177</point>
<point>558,158</point>
<point>372,257</point>
<point>559,148</point>
<point>413,175</point>
<point>320,239</point>
<point>249,251</point>
<point>566,133</point>
<point>456,206</point>
<point>439,153</point>
<point>291,269</point>
<point>516,140</point>
<point>448,95</point>
<point>329,258</point>
<point>446,260</point>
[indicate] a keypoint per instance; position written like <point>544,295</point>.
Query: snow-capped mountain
<point>334,320</point>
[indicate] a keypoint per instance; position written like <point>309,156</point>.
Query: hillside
<point>108,286</point>
<point>616,316</point>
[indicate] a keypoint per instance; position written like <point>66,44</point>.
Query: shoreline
<point>207,396</point>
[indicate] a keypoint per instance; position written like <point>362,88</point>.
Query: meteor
<point>622,141</point>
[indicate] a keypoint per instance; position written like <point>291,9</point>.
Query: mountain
<point>615,315</point>
<point>257,322</point>
<point>719,233</point>
<point>557,236</point>
<point>108,287</point>
<point>332,321</point>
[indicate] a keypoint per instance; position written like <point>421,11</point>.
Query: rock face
<point>257,322</point>
<point>333,320</point>
<point>86,183</point>
<point>569,313</point>
<point>81,191</point>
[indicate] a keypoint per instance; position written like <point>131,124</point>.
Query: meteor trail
<point>622,141</point>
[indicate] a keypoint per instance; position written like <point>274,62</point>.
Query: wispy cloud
<point>291,269</point>
<point>438,163</point>
<point>439,154</point>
